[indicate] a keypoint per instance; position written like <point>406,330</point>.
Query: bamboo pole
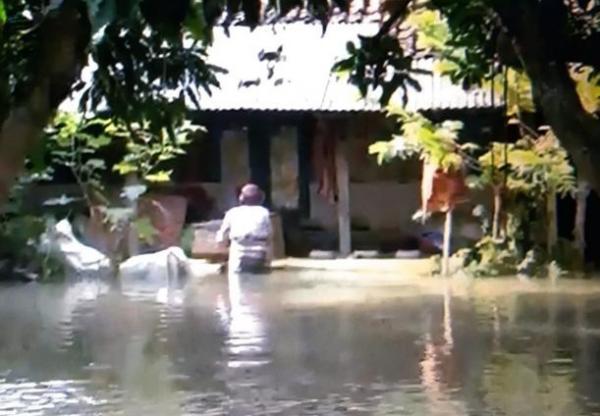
<point>446,249</point>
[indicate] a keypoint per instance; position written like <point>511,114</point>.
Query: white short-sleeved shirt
<point>248,227</point>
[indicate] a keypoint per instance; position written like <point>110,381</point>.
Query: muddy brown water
<point>302,344</point>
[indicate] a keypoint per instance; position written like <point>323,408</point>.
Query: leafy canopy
<point>534,166</point>
<point>434,143</point>
<point>147,58</point>
<point>474,44</point>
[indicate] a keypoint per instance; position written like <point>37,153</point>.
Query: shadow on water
<point>301,344</point>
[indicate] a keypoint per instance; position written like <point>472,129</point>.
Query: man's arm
<point>270,240</point>
<point>223,233</point>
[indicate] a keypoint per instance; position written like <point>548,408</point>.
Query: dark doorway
<point>259,151</point>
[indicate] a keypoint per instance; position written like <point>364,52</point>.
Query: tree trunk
<point>497,212</point>
<point>577,130</point>
<point>552,228</point>
<point>538,31</point>
<point>19,133</point>
<point>64,37</point>
<point>583,192</point>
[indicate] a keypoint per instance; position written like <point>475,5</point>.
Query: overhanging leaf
<point>125,168</point>
<point>162,176</point>
<point>133,192</point>
<point>144,229</point>
<point>196,23</point>
<point>2,14</point>
<point>101,13</point>
<point>95,164</point>
<point>63,200</point>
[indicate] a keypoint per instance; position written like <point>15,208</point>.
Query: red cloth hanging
<point>442,190</point>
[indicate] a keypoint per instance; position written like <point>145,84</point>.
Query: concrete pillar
<point>343,202</point>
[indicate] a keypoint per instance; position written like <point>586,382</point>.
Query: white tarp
<point>60,241</point>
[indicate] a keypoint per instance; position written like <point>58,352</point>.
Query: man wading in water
<point>247,228</point>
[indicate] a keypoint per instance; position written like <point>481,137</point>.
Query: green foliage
<point>144,229</point>
<point>433,143</point>
<point>187,240</point>
<point>18,39</point>
<point>74,142</point>
<point>524,175</point>
<point>515,86</point>
<point>2,14</point>
<point>490,258</point>
<point>533,166</point>
<point>477,42</point>
<point>370,63</point>
<point>20,232</point>
<point>147,152</point>
<point>526,172</point>
<point>432,35</point>
<point>471,42</point>
<point>143,48</point>
<point>20,254</point>
<point>15,205</point>
<point>431,30</point>
<point>587,82</point>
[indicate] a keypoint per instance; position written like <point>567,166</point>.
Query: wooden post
<point>583,191</point>
<point>343,202</point>
<point>446,249</point>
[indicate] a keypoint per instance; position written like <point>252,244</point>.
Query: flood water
<point>302,344</point>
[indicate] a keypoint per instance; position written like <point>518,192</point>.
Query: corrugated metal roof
<point>301,78</point>
<point>357,11</point>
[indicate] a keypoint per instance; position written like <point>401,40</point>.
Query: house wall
<point>382,198</point>
<point>375,205</point>
<point>284,168</point>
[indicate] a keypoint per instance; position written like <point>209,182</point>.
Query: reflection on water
<point>301,344</point>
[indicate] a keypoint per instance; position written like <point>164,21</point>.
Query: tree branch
<point>399,10</point>
<point>64,37</point>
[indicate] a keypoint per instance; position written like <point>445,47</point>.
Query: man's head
<point>251,194</point>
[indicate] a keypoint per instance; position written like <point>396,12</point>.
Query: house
<point>283,120</point>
